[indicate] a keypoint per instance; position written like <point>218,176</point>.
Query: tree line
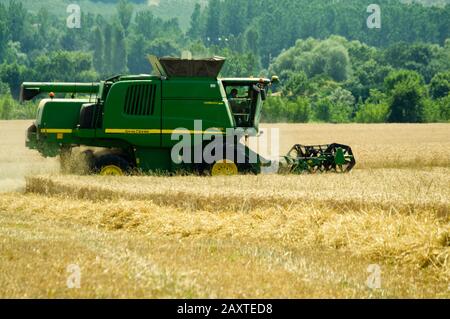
<point>332,67</point>
<point>337,80</point>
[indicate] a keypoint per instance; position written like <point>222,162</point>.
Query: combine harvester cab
<point>134,123</point>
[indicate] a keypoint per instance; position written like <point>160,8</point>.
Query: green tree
<point>4,88</point>
<point>108,58</point>
<point>431,111</point>
<point>367,76</point>
<point>444,108</point>
<point>372,113</point>
<point>4,31</point>
<point>440,85</point>
<point>239,65</point>
<point>322,110</point>
<point>252,39</point>
<point>296,84</point>
<point>7,108</point>
<point>64,66</point>
<point>13,74</point>
<point>119,56</point>
<point>398,76</point>
<point>342,102</point>
<point>419,57</point>
<point>274,110</point>
<point>314,57</point>
<point>137,55</point>
<point>146,24</point>
<point>162,47</point>
<point>99,51</point>
<point>337,64</point>
<point>213,22</point>
<point>234,14</point>
<point>17,17</point>
<point>299,111</point>
<point>125,13</point>
<point>195,28</point>
<point>406,94</point>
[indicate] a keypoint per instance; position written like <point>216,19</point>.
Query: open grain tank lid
<point>175,67</point>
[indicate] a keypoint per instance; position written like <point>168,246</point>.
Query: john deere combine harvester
<point>133,119</point>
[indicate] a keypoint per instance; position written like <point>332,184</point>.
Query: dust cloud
<point>17,161</point>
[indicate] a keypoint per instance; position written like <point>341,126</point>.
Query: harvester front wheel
<point>224,168</point>
<point>111,165</point>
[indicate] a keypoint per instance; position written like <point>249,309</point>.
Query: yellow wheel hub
<point>111,170</point>
<point>224,168</point>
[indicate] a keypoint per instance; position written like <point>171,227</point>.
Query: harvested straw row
<point>421,240</point>
<point>392,190</point>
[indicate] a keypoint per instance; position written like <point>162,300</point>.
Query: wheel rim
<point>224,168</point>
<point>111,170</point>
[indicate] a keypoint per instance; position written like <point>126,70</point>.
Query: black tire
<point>105,160</point>
<point>248,169</point>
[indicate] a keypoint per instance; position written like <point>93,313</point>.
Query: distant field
<point>245,236</point>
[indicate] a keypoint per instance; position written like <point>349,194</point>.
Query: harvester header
<point>135,122</point>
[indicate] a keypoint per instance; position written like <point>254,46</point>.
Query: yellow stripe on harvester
<point>153,131</point>
<point>56,130</point>
<point>131,131</point>
<point>191,132</point>
<point>213,103</point>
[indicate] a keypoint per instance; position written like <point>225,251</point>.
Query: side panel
<point>57,119</point>
<point>59,113</point>
<point>186,102</point>
<point>132,113</point>
<point>153,159</point>
<point>192,88</point>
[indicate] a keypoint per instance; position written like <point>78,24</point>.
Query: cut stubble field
<point>264,236</point>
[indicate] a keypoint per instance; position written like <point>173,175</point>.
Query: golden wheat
<point>244,236</point>
<point>352,210</point>
<point>382,188</point>
<point>378,145</point>
<point>417,241</point>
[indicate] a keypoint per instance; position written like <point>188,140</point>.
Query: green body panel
<point>59,113</point>
<point>183,113</point>
<point>57,122</point>
<point>154,159</point>
<point>192,88</point>
<point>115,119</point>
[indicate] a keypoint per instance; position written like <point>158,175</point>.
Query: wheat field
<point>268,236</point>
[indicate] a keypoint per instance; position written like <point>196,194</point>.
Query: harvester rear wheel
<point>111,165</point>
<point>224,168</point>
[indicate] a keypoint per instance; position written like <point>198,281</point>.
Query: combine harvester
<point>133,119</point>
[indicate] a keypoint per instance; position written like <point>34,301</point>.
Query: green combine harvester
<point>128,123</point>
